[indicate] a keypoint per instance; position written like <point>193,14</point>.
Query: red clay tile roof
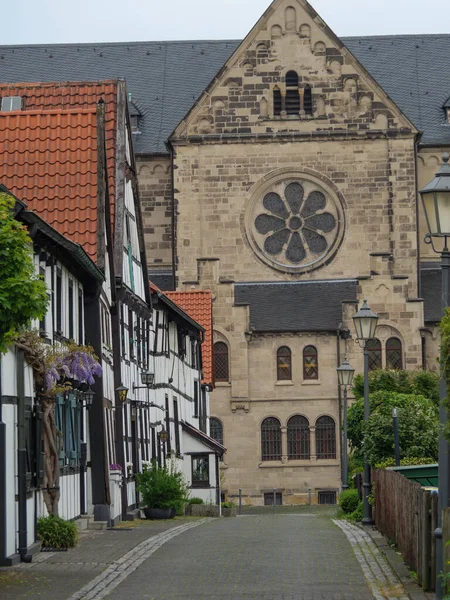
<point>48,153</point>
<point>198,305</point>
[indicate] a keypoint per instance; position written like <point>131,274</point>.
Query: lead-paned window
<point>298,438</point>
<point>307,101</point>
<point>394,354</point>
<point>374,354</point>
<point>284,364</point>
<point>221,366</point>
<point>325,438</point>
<point>200,470</point>
<point>310,363</point>
<point>271,439</point>
<point>216,430</point>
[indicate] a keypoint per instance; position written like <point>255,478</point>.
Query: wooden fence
<point>406,514</point>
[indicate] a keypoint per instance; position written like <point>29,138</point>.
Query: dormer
<point>135,116</point>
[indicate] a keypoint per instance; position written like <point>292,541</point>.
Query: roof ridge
<point>125,43</point>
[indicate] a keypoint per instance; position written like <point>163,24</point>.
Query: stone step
<point>97,525</point>
<point>82,523</point>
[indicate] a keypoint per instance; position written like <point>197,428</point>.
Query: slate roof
<point>295,306</point>
<point>166,78</point>
<point>198,305</point>
<point>49,154</point>
<point>431,285</point>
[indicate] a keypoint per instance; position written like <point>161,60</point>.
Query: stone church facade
<point>289,189</point>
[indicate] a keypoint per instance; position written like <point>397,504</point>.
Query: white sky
<point>53,21</point>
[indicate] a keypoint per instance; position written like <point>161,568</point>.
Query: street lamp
<point>345,378</point>
<point>436,204</point>
<point>366,324</point>
<point>122,393</point>
<point>88,397</point>
<point>147,379</point>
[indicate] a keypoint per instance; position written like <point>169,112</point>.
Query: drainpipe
<point>338,354</point>
<point>3,515</point>
<point>22,460</point>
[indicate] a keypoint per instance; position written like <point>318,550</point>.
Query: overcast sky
<point>53,21</point>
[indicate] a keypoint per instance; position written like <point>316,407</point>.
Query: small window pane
<point>310,363</point>
<point>298,438</point>
<point>374,354</point>
<point>291,79</point>
<point>221,371</point>
<point>216,430</point>
<point>325,438</point>
<point>271,439</point>
<point>11,103</point>
<point>394,354</point>
<point>284,366</point>
<point>200,470</point>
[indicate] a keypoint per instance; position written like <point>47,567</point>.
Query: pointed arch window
<point>216,430</point>
<point>374,353</point>
<point>325,438</point>
<point>298,438</point>
<point>310,363</point>
<point>221,362</point>
<point>394,354</point>
<point>307,101</point>
<point>271,439</point>
<point>284,364</point>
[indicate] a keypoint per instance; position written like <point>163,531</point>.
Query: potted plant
<point>163,491</point>
<point>228,509</point>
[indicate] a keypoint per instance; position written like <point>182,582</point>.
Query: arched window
<point>394,354</point>
<point>271,439</point>
<point>298,438</point>
<point>221,368</point>
<point>307,101</point>
<point>284,364</point>
<point>325,438</point>
<point>291,79</point>
<point>276,102</point>
<point>216,430</point>
<point>374,352</point>
<point>310,363</point>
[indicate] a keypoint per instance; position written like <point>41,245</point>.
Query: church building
<point>281,173</point>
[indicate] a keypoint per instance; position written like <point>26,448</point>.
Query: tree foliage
<point>417,416</point>
<point>23,294</point>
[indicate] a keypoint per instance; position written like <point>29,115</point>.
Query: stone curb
<point>414,591</point>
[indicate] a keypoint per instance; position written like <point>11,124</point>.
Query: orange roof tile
<point>198,305</point>
<point>49,153</point>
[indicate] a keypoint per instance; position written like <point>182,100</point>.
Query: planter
<point>202,510</point>
<point>157,513</point>
<point>229,512</point>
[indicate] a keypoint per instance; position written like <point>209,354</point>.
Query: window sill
<point>201,485</point>
<point>223,384</point>
<point>285,382</point>
<point>311,382</point>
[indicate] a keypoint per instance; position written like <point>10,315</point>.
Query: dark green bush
<point>348,501</point>
<point>54,532</point>
<point>195,501</point>
<point>162,487</point>
<point>358,513</point>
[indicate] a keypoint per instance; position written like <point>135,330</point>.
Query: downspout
<point>3,514</point>
<point>22,460</point>
<point>338,354</point>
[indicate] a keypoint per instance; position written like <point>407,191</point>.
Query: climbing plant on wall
<point>57,369</point>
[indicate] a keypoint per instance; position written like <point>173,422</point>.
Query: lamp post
<point>345,378</point>
<point>436,204</point>
<point>365,322</point>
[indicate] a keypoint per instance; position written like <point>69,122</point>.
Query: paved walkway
<point>282,557</point>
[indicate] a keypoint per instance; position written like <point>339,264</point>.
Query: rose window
<point>296,225</point>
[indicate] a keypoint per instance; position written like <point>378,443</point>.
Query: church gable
<point>292,75</point>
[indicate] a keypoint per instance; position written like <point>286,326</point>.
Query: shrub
<point>349,500</point>
<point>405,462</point>
<point>162,487</point>
<point>54,532</point>
<point>228,504</point>
<point>358,513</point>
<point>195,501</point>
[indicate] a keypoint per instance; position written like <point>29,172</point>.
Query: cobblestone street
<point>294,556</point>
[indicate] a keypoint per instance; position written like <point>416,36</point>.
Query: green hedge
<point>54,532</point>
